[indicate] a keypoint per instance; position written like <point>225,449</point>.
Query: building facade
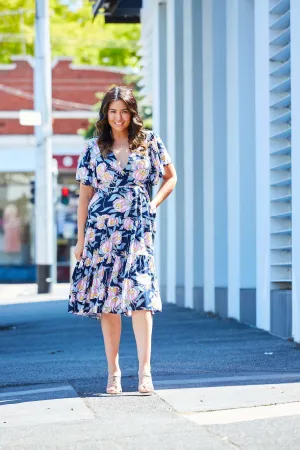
<point>74,91</point>
<point>223,76</point>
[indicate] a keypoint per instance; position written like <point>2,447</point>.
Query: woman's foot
<point>114,384</point>
<point>145,383</point>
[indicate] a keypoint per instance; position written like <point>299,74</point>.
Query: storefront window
<point>66,222</point>
<point>16,219</point>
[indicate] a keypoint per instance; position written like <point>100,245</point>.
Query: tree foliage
<point>73,33</point>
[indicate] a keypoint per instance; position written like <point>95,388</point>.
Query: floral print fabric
<point>116,273</point>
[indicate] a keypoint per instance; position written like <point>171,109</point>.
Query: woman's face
<point>118,115</point>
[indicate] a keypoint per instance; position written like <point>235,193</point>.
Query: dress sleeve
<point>84,172</point>
<point>159,157</point>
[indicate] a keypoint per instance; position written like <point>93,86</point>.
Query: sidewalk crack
<point>222,439</point>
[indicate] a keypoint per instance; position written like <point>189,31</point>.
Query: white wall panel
<point>159,96</point>
<point>295,90</point>
<point>262,132</point>
<point>233,158</point>
<point>208,154</point>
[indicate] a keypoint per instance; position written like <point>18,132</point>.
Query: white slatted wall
<point>280,145</point>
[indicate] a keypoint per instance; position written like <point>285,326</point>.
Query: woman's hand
<point>167,185</point>
<point>78,250</point>
<point>152,207</point>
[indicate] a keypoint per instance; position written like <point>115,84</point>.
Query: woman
<point>115,271</point>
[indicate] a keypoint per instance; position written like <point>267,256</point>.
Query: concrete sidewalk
<point>27,292</point>
<point>219,384</point>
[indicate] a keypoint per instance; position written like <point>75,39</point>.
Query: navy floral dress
<point>116,273</point>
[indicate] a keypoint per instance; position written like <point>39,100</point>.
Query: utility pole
<point>43,134</point>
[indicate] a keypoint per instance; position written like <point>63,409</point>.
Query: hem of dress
<point>126,313</point>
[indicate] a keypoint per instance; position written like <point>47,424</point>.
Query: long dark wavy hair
<point>136,133</point>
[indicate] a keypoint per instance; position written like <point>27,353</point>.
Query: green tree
<point>73,33</point>
<point>16,28</point>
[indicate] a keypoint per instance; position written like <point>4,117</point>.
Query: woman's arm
<point>167,185</point>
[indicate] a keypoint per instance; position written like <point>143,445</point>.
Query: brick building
<point>70,83</point>
<point>73,92</point>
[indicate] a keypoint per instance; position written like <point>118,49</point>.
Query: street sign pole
<point>43,134</point>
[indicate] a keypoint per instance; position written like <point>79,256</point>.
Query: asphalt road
<point>219,384</point>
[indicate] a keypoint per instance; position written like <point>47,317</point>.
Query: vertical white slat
<point>220,224</point>
<point>197,112</point>
<point>247,207</point>
<point>146,51</point>
<point>295,109</point>
<point>233,158</point>
<point>188,125</point>
<point>171,139</point>
<point>153,18</point>
<point>262,144</point>
<point>178,130</point>
<point>208,155</point>
<point>157,118</point>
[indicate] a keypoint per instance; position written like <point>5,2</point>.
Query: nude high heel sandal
<point>145,383</point>
<point>114,384</point>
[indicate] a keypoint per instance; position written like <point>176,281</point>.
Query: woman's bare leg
<point>142,323</point>
<point>111,329</point>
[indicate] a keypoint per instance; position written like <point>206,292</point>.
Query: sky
<point>73,4</point>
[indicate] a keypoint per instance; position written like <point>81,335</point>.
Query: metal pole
<point>54,185</point>
<point>43,133</point>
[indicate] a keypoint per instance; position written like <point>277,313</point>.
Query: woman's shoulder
<point>152,137</point>
<point>90,150</point>
<point>91,142</point>
<point>92,145</point>
<point>149,134</point>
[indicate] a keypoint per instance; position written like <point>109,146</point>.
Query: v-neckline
<point>116,159</point>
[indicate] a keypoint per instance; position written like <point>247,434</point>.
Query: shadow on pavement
<point>41,344</point>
